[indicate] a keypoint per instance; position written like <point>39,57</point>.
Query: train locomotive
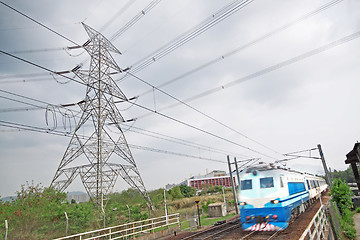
<point>270,197</point>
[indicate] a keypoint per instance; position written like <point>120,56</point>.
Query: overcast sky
<point>286,90</point>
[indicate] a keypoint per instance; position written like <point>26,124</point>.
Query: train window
<point>281,182</point>
<point>296,187</point>
<point>308,184</point>
<point>267,182</point>
<point>246,184</point>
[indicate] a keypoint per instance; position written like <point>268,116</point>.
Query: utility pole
<point>327,175</point>
<point>232,186</point>
<point>237,171</point>
<point>238,177</point>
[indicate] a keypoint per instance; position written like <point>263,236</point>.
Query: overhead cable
<point>249,44</point>
<point>143,107</point>
<point>25,127</point>
<point>37,22</point>
<point>211,21</point>
<point>136,18</point>
<point>204,114</point>
<point>181,141</point>
<point>267,70</point>
<point>121,11</point>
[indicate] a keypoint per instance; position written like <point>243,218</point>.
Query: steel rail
<point>213,228</point>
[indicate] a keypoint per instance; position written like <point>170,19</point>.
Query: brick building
<point>215,178</point>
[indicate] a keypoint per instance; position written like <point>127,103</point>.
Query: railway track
<point>232,230</point>
<point>260,235</point>
<point>216,232</point>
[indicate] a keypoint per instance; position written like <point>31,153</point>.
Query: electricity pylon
<point>103,157</point>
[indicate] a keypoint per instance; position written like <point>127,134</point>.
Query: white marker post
<point>6,229</point>
<point>67,224</point>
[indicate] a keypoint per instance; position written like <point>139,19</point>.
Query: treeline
<point>347,175</point>
<point>39,213</point>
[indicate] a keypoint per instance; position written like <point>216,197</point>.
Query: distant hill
<point>8,199</point>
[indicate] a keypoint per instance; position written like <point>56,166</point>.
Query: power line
<point>204,114</point>
<point>37,22</point>
<point>223,56</point>
<point>24,80</point>
<point>18,101</point>
<point>59,133</point>
<point>174,153</point>
<point>22,96</point>
<point>23,75</point>
<point>119,13</point>
<point>135,19</point>
<point>202,130</point>
<point>211,21</point>
<point>44,68</point>
<point>181,141</point>
<point>249,44</point>
<point>129,23</point>
<point>176,140</point>
<point>38,50</point>
<point>268,69</point>
<point>143,107</point>
<point>38,107</point>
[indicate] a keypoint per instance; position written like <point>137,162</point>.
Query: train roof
<point>271,166</point>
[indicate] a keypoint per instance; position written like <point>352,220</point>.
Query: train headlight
<point>242,203</point>
<point>274,216</point>
<point>274,201</point>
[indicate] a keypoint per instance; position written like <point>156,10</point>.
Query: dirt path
<point>357,225</point>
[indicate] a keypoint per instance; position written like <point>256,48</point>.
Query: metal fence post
<point>6,229</point>
<point>67,224</point>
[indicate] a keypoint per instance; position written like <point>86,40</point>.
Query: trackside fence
<point>129,230</point>
<point>317,227</point>
<point>334,216</point>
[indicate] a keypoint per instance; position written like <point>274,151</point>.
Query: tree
<point>187,191</point>
<point>347,175</point>
<point>341,194</point>
<point>175,193</point>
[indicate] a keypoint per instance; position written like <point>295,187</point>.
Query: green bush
<point>341,194</point>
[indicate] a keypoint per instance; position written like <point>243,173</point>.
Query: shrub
<point>357,210</point>
<point>341,194</point>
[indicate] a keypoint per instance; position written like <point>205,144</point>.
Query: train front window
<point>246,184</point>
<point>267,182</point>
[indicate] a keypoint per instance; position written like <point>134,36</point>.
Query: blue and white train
<point>270,197</point>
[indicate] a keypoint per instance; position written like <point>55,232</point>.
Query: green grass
<point>357,210</point>
<point>206,221</point>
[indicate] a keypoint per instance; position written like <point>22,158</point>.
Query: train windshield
<point>267,182</point>
<point>246,184</point>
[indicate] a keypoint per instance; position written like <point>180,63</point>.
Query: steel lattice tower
<point>105,158</point>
